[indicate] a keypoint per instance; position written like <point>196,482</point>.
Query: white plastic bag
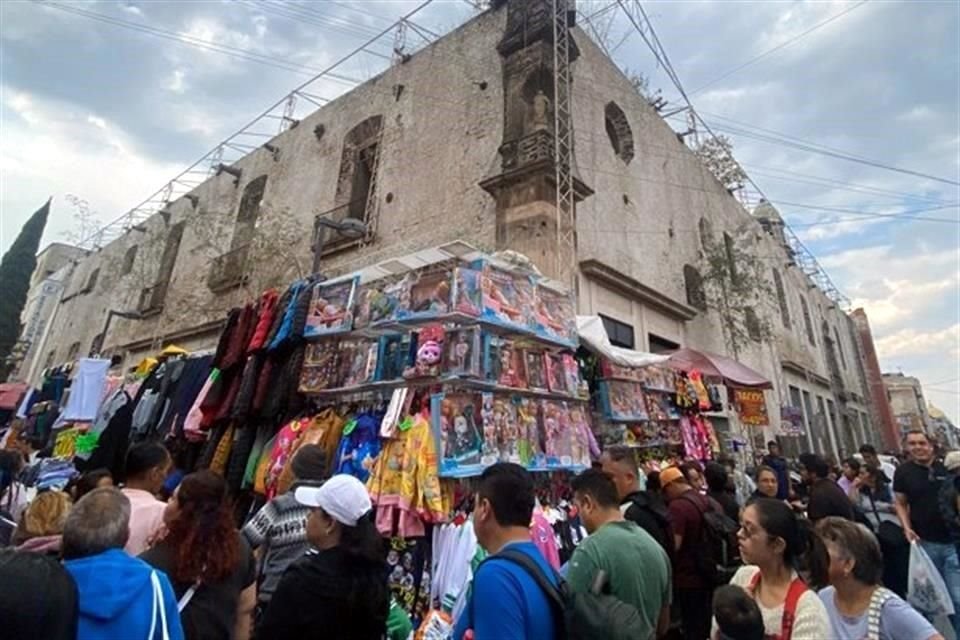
<point>926,589</point>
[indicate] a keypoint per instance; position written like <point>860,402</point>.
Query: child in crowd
<point>737,615</point>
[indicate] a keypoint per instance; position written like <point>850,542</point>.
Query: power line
<point>235,52</point>
<point>780,46</point>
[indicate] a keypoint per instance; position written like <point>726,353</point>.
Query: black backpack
<point>652,518</point>
<point>582,616</point>
<point>718,558</point>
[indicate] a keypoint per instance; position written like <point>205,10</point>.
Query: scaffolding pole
<point>563,148</point>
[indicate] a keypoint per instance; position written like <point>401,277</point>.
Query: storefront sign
<point>751,407</point>
<point>791,421</point>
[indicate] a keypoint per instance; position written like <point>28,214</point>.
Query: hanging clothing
<point>266,311</point>
<point>192,424</point>
<point>86,391</point>
<point>404,485</point>
<point>360,447</point>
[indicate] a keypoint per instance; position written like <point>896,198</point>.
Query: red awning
<point>712,365</point>
<point>11,393</point>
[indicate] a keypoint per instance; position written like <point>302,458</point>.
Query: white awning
<point>594,337</point>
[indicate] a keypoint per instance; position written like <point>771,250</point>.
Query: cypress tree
<point>16,268</point>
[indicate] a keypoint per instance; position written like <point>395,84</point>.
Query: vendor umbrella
<point>712,365</point>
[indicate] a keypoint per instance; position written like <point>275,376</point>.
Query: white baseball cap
<point>342,497</point>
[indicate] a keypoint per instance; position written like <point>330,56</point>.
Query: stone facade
<point>457,143</point>
<point>907,402</point>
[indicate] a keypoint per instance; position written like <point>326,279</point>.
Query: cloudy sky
<point>106,101</point>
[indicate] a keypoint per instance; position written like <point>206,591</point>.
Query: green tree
<point>16,268</point>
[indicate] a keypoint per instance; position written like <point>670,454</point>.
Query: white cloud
<point>55,151</point>
<point>133,9</point>
<point>945,342</point>
<point>176,82</point>
<point>918,113</point>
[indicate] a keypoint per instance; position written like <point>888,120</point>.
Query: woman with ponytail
<point>778,548</point>
<point>340,592</point>
<point>209,563</point>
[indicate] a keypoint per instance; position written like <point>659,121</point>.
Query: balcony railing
<point>333,242</point>
<point>151,299</point>
<point>229,270</point>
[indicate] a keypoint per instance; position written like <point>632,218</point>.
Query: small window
<point>91,281</point>
<point>661,345</point>
<point>706,233</point>
<point>753,325</point>
<point>693,281</point>
<point>619,132</point>
<point>73,351</point>
<point>50,356</point>
<point>843,356</point>
<point>620,333</point>
<point>807,322</point>
<point>730,249</point>
<point>128,260</point>
<point>782,299</point>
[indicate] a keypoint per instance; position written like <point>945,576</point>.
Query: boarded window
<point>753,325</point>
<point>807,322</point>
<point>843,356</point>
<point>152,298</point>
<point>731,255</point>
<point>129,258</point>
<point>656,344</point>
<point>248,212</point>
<point>696,296</point>
<point>620,333</point>
<point>73,351</point>
<point>781,299</point>
<point>706,232</point>
<point>91,281</point>
<point>619,131</point>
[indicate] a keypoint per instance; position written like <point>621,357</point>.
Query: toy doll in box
<point>458,427</point>
<point>394,357</point>
<point>431,293</point>
<point>507,429</point>
<point>462,353</point>
<point>579,434</point>
<point>503,362</point>
<point>359,358</point>
<point>507,297</point>
<point>466,286</point>
<point>382,300</point>
<point>331,308</point>
<point>533,363</point>
<point>556,376</point>
<point>320,367</point>
<point>531,447</point>
<point>555,316</point>
<point>571,372</point>
<point>490,449</point>
<point>429,350</point>
<point>556,428</point>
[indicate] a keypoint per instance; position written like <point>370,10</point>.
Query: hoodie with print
<point>118,599</point>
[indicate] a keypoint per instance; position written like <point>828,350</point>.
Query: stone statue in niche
<point>541,111</point>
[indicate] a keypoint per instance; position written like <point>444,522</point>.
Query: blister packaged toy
<point>556,376</point>
<point>331,308</point>
<point>468,298</point>
<point>456,418</point>
<point>431,293</point>
<point>462,353</point>
<point>507,298</point>
<point>395,356</point>
<point>555,315</point>
<point>535,368</point>
<point>622,400</point>
<point>558,446</point>
<point>503,362</point>
<point>321,366</point>
<point>358,363</point>
<point>382,300</point>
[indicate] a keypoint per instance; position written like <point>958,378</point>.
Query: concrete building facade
<point>907,402</point>
<point>457,143</point>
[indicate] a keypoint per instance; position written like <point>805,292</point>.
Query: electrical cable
<point>780,46</point>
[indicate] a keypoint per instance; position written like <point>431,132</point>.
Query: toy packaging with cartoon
<point>456,424</point>
<point>462,353</point>
<point>331,308</point>
<point>507,298</point>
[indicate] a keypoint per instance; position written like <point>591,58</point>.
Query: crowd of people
<point>692,551</point>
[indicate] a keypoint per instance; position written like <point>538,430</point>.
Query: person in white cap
<point>342,589</point>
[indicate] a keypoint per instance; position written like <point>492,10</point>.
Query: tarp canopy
<point>594,337</point>
<point>10,394</point>
<point>712,365</point>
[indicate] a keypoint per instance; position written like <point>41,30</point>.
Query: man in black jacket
<point>826,498</point>
<point>644,508</point>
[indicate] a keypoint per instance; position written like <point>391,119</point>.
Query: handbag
<point>888,533</point>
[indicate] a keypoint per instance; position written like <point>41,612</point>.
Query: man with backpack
<point>644,508</point>
<point>508,601</point>
<point>620,559</point>
<point>694,566</point>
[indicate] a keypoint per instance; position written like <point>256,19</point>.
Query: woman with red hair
<point>209,563</point>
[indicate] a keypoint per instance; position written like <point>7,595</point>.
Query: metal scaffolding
<point>563,148</point>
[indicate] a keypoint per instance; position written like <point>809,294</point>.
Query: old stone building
<point>907,402</point>
<point>457,143</point>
